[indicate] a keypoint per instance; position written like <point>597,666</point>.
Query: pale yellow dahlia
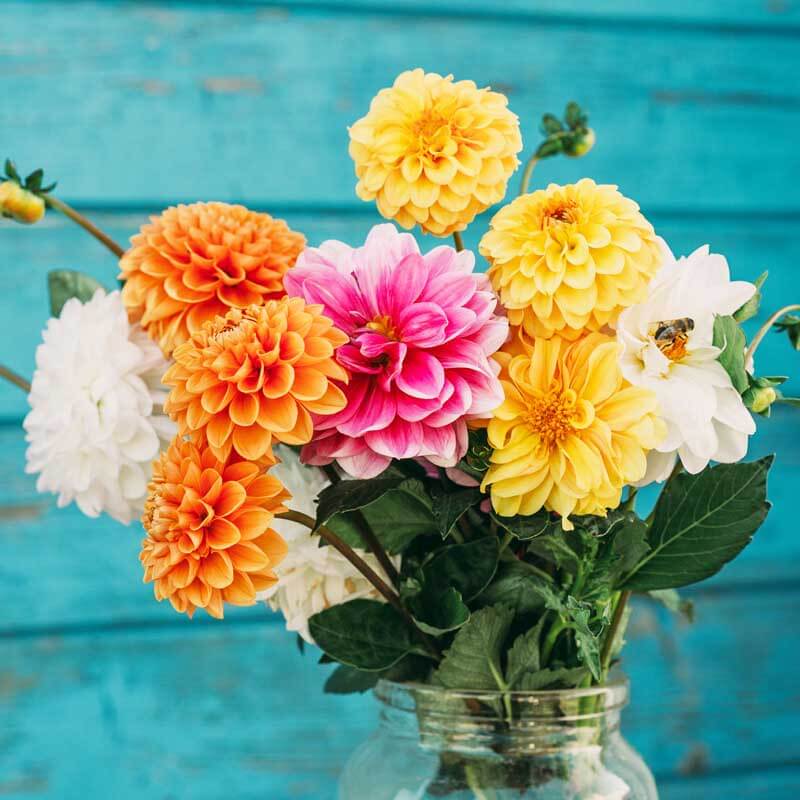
<point>568,258</point>
<point>571,431</point>
<point>435,152</point>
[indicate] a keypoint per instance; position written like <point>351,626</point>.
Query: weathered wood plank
<point>235,710</point>
<point>26,255</point>
<point>252,102</point>
<point>736,15</point>
<point>60,568</point>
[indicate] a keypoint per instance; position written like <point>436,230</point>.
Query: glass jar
<point>550,745</point>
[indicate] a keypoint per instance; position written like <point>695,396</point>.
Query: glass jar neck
<point>515,723</point>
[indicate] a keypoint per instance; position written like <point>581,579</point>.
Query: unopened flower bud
<point>762,398</point>
<point>20,204</point>
<point>580,144</point>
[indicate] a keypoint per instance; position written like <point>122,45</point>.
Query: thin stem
<point>77,217</point>
<point>367,534</point>
<point>12,377</point>
<point>382,587</point>
<point>764,329</point>
<point>616,621</point>
<point>526,175</point>
<point>459,242</point>
<point>630,502</point>
<point>550,641</point>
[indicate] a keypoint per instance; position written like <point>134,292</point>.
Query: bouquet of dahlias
<point>431,470</point>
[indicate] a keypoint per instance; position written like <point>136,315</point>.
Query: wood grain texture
<point>26,255</point>
<point>105,693</point>
<point>235,710</point>
<point>253,102</point>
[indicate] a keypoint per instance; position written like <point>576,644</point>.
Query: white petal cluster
<point>96,420</point>
<point>706,418</point>
<point>311,578</point>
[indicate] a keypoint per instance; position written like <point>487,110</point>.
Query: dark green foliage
<point>64,284</point>
<point>364,634</point>
<point>790,325</point>
<point>730,339</point>
<point>751,307</point>
<point>701,522</point>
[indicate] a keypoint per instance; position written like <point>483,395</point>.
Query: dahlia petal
<point>244,409</point>
<point>422,324</point>
<point>247,557</point>
<point>217,569</point>
<point>251,443</point>
<point>222,533</point>
<point>232,496</point>
<point>422,376</point>
<point>398,440</point>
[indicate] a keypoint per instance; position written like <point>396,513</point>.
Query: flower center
<point>432,131</point>
<point>671,336</point>
<point>383,324</point>
<point>560,210</point>
<point>551,417</point>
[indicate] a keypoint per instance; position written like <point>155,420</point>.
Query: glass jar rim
<point>404,697</point>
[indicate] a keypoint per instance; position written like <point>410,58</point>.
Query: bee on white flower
<point>667,346</point>
<point>311,578</point>
<point>96,420</point>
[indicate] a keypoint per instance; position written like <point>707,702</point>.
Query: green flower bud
<point>761,398</point>
<point>579,144</point>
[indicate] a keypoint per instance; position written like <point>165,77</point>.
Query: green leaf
<point>559,547</point>
<point>549,147</point>
<point>351,495</point>
<point>347,680</point>
<point>525,528</point>
<point>64,284</point>
<point>473,660</point>
<point>397,518</point>
<point>790,324</point>
<point>518,585</point>
<point>523,655</point>
<point>33,183</point>
<point>466,567</point>
<point>700,523</point>
<point>11,171</point>
<point>364,634</point>
<point>751,307</point>
<point>561,678</point>
<point>730,339</point>
<point>438,610</point>
<point>449,507</point>
<point>476,461</point>
<point>574,116</point>
<point>551,124</point>
<point>588,642</point>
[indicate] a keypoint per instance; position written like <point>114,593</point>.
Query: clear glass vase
<point>550,745</point>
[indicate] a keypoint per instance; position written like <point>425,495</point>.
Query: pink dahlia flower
<point>422,329</point>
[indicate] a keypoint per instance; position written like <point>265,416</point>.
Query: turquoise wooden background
<point>104,693</point>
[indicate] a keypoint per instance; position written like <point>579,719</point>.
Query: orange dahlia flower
<point>257,374</point>
<point>209,540</point>
<point>194,262</point>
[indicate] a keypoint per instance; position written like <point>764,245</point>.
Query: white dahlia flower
<point>667,346</point>
<point>96,420</point>
<point>311,578</point>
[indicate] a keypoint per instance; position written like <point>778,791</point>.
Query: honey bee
<point>671,336</point>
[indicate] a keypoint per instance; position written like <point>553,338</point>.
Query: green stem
<point>367,534</point>
<point>13,377</point>
<point>380,585</point>
<point>459,242</point>
<point>764,329</point>
<point>614,629</point>
<point>77,217</point>
<point>550,642</point>
<point>630,502</point>
<point>526,175</point>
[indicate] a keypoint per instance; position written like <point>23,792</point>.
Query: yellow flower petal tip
<point>569,258</point>
<point>435,152</point>
<point>571,431</point>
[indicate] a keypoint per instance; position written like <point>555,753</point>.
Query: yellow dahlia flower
<point>435,152</point>
<point>567,258</point>
<point>571,431</point>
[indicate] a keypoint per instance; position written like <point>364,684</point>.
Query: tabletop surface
<point>134,106</point>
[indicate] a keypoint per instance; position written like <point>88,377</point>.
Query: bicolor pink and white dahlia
<point>422,331</point>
